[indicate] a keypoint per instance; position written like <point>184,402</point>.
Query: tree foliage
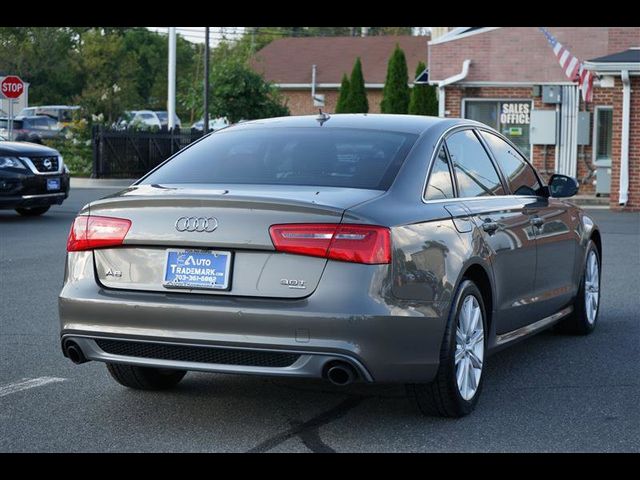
<point>423,97</point>
<point>239,93</point>
<point>396,92</point>
<point>357,99</point>
<point>341,104</point>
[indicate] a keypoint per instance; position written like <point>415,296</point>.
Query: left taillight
<point>89,232</point>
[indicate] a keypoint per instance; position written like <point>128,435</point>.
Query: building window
<point>603,132</point>
<point>512,118</point>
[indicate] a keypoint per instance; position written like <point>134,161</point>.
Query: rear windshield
<point>291,156</point>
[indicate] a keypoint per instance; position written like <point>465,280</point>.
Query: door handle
<point>489,226</point>
<point>537,221</point>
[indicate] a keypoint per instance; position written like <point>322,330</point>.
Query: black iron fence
<point>131,154</point>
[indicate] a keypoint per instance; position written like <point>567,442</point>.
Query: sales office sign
<point>515,113</point>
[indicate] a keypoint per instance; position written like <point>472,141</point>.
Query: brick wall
<point>544,162</point>
<point>519,54</point>
<point>300,102</point>
<point>601,97</point>
<point>633,203</point>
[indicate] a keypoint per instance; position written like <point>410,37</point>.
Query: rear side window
<point>291,156</point>
<point>440,185</point>
<point>473,168</point>
<point>520,175</point>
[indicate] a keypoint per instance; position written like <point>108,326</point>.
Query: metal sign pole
<point>10,119</point>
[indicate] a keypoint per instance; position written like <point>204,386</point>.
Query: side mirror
<point>562,186</point>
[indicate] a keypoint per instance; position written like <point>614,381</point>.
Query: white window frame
<point>594,149</point>
<point>502,99</point>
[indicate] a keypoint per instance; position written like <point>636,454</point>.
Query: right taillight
<point>89,232</point>
<point>370,244</point>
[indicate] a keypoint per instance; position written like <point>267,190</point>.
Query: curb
<point>115,183</point>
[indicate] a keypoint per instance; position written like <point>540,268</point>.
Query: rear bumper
<point>304,364</point>
<point>384,339</point>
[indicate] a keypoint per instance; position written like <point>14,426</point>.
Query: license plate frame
<point>170,281</point>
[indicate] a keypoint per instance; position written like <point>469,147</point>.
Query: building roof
<point>289,60</point>
<point>628,60</point>
<point>631,55</point>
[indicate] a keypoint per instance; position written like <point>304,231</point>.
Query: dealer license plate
<point>197,269</point>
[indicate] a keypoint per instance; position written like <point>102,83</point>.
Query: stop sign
<point>12,86</point>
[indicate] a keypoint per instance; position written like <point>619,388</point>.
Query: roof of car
<point>401,123</point>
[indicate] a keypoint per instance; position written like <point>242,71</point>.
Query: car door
<point>553,225</point>
<point>41,127</point>
<point>502,223</point>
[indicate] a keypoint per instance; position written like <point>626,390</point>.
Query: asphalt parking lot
<point>550,393</point>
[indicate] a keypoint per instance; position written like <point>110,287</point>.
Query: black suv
<point>32,178</point>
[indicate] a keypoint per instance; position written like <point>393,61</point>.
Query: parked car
<point>63,114</point>
<point>31,129</point>
<point>372,248</point>
<point>32,178</point>
<point>140,119</point>
<point>214,124</point>
<point>164,119</point>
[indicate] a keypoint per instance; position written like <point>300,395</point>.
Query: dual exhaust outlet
<point>340,373</point>
<point>337,372</point>
<point>73,352</point>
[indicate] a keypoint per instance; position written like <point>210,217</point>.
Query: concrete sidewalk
<point>115,183</point>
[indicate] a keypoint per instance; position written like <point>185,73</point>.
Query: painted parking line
<point>27,383</point>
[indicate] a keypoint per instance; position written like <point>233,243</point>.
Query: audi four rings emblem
<point>196,224</point>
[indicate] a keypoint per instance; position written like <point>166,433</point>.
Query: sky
<point>196,34</point>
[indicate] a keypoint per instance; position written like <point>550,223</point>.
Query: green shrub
<point>75,148</point>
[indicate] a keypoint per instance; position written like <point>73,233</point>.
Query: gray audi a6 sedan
<point>371,248</point>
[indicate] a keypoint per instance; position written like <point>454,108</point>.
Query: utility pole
<point>253,39</point>
<point>171,100</point>
<point>206,81</point>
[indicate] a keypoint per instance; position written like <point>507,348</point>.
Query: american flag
<point>573,68</point>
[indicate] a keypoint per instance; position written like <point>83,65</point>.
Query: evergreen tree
<point>423,97</point>
<point>395,95</point>
<point>342,96</point>
<point>357,99</point>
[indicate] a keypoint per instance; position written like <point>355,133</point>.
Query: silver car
<point>371,248</point>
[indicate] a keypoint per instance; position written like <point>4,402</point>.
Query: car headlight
<point>62,165</point>
<point>11,162</point>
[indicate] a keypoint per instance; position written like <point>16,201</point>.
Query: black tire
<point>577,323</point>
<point>442,396</point>
<point>33,211</point>
<point>145,378</point>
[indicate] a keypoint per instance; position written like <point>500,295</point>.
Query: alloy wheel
<point>592,287</point>
<point>469,355</point>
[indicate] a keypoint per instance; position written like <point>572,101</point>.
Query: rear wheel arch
<point>597,240</point>
<point>479,275</point>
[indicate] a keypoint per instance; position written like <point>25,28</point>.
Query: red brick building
<point>289,64</point>
<point>509,78</point>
